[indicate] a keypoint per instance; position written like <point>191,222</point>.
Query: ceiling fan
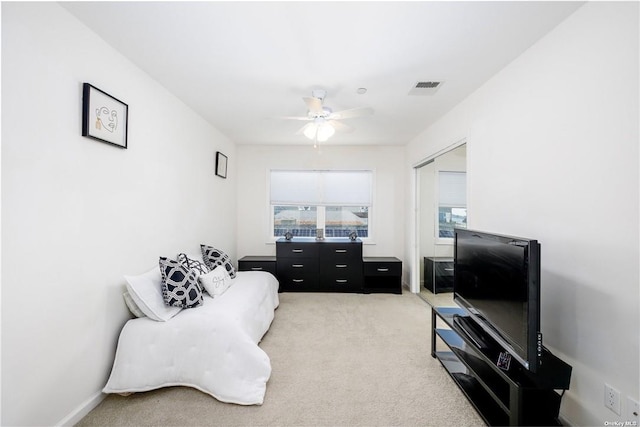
<point>324,122</point>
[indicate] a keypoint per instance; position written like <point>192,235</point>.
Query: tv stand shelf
<point>515,396</point>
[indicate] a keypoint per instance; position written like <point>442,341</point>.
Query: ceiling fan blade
<point>313,104</point>
<point>340,127</point>
<point>353,112</point>
<point>306,119</point>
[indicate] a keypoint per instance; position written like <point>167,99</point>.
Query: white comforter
<point>213,348</point>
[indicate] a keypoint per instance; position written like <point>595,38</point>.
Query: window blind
<point>452,189</point>
<point>321,188</point>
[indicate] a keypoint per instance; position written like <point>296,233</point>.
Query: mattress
<point>213,348</point>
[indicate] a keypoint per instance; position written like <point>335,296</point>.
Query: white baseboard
<point>81,411</point>
<point>564,421</point>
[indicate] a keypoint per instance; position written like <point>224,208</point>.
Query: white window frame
<point>320,209</point>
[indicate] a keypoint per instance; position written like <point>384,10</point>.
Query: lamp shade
<point>325,131</point>
<point>311,130</point>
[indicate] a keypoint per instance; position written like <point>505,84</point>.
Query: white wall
<point>552,146</point>
<point>253,199</point>
<point>78,214</point>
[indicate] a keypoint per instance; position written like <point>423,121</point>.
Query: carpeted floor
<point>337,360</point>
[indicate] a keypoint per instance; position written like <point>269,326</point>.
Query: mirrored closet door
<point>442,206</point>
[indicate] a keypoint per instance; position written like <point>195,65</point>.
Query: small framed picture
<point>104,117</point>
<point>221,165</point>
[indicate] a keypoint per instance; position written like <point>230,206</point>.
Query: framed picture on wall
<point>104,118</point>
<point>221,165</point>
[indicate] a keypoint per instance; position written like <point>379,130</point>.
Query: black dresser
<point>310,265</point>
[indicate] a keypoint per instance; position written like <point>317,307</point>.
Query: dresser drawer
<point>296,250</point>
<point>346,284</point>
<point>342,267</point>
<point>302,282</point>
<point>444,268</point>
<point>346,252</point>
<point>381,268</point>
<point>339,272</point>
<point>341,281</point>
<point>296,265</point>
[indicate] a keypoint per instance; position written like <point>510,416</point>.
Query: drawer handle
<point>341,251</point>
<point>448,269</point>
<point>256,268</point>
<point>341,265</point>
<point>341,280</point>
<point>298,280</point>
<point>297,265</point>
<point>383,269</point>
<point>297,251</point>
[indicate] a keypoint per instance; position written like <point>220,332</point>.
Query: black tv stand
<point>515,396</point>
<point>471,330</point>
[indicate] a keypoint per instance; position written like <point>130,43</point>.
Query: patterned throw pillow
<point>180,286</point>
<point>193,264</point>
<point>214,257</point>
<point>216,282</point>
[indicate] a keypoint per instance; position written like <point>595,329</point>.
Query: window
<point>452,203</point>
<point>342,220</point>
<point>299,220</point>
<point>338,202</point>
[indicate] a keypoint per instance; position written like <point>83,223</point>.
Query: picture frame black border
<point>86,102</point>
<point>221,168</point>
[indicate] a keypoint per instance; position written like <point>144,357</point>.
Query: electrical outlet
<point>633,409</point>
<point>612,398</point>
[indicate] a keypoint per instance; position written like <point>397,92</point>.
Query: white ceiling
<point>241,64</point>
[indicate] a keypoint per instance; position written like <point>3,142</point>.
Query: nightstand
<point>438,274</point>
<point>382,274</point>
<point>258,263</point>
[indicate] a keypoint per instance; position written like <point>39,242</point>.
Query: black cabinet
<point>502,396</point>
<point>341,266</point>
<point>258,263</point>
<point>438,274</point>
<point>310,265</point>
<point>331,265</point>
<point>382,274</point>
<point>297,265</point>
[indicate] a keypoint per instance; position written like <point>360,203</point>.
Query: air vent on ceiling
<point>425,88</point>
<point>426,85</point>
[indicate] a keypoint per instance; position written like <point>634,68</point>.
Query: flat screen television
<point>497,280</point>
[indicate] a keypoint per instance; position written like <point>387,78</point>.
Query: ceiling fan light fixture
<point>310,131</point>
<point>323,122</point>
<point>325,131</point>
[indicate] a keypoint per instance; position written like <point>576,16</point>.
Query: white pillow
<point>216,282</point>
<point>133,308</point>
<point>146,291</point>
